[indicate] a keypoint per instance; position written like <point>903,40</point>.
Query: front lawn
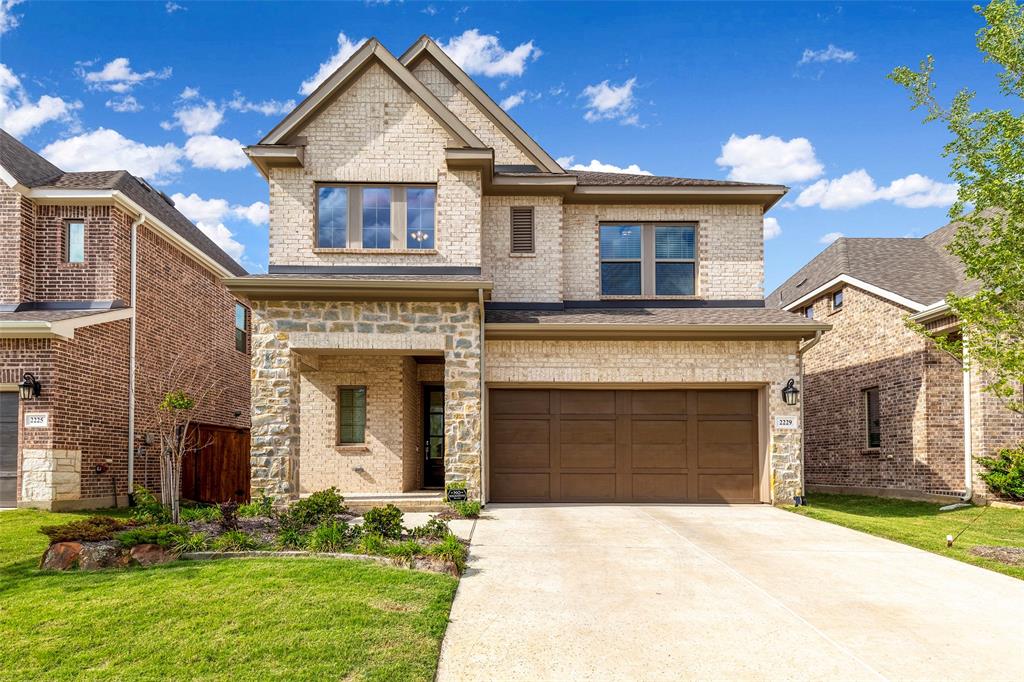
<point>230,619</point>
<point>922,525</point>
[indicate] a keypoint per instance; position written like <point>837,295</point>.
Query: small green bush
<point>167,535</point>
<point>467,510</point>
<point>291,538</point>
<point>148,509</point>
<point>1004,473</point>
<point>264,506</point>
<point>406,550</point>
<point>205,514</point>
<point>332,536</point>
<point>92,529</point>
<point>434,529</point>
<point>310,511</point>
<point>235,541</point>
<point>384,521</point>
<point>450,549</point>
<point>196,542</point>
<point>371,544</point>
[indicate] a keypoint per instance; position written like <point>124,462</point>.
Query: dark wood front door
<point>568,445</point>
<point>433,435</point>
<point>8,448</point>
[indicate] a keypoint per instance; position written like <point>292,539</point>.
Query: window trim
<point>511,231</point>
<point>66,240</point>
<point>866,400</point>
<point>837,293</point>
<point>244,329</point>
<point>354,225</point>
<point>648,259</point>
<point>337,398</point>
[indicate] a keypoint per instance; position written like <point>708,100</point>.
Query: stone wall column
<point>462,407</point>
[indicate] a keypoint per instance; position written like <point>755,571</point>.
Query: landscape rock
<point>61,556</point>
<point>97,555</point>
<point>150,555</point>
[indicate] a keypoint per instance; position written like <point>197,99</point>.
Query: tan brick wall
<point>374,131</point>
<point>730,246</point>
<point>523,277</point>
<point>769,363</point>
<point>993,427</point>
<point>505,149</point>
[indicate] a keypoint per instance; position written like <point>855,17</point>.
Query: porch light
<point>29,388</point>
<point>790,392</point>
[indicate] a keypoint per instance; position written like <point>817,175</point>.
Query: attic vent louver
<point>522,229</point>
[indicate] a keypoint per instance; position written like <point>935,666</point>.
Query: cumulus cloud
<point>220,235</point>
<point>599,167</point>
<point>859,188</point>
<point>268,107</point>
<point>211,211</point>
<point>829,54</point>
<point>105,149</point>
<point>127,104</point>
<point>189,93</point>
<point>346,48</point>
<point>772,229</point>
<point>213,151</point>
<point>481,54</point>
<point>118,76</point>
<point>198,119</point>
<point>8,19</point>
<point>769,159</point>
<point>611,102</point>
<point>513,100</point>
<point>172,7</point>
<point>830,237</point>
<point>20,114</point>
<point>257,213</point>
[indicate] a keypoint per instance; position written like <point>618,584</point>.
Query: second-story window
<point>241,328</point>
<point>375,217</point>
<point>648,260</point>
<point>74,241</point>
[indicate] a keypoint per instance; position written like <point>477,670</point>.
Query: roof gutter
<point>533,330</point>
<point>936,311</point>
<point>268,288</point>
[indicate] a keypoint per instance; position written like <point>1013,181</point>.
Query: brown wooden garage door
<point>555,445</point>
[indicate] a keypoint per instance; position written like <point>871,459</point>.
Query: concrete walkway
<point>634,592</point>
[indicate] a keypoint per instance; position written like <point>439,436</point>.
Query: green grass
<point>218,620</point>
<point>922,525</point>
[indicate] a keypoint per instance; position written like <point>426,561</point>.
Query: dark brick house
<point>884,409</point>
<point>92,263</point>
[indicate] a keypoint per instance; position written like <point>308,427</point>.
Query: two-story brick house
<point>103,281</point>
<point>884,409</point>
<point>445,302</point>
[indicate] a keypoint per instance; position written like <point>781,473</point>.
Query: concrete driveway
<point>635,592</point>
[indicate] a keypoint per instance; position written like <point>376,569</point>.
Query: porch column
<point>462,407</point>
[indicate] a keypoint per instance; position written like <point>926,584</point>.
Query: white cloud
<point>482,54</point>
<point>611,102</point>
<point>189,93</point>
<point>105,149</point>
<point>513,100</point>
<point>124,105</point>
<point>829,54</point>
<point>257,213</point>
<point>268,107</point>
<point>599,167</point>
<point>772,229</point>
<point>173,7</point>
<point>769,159</point>
<point>429,10</point>
<point>218,153</point>
<point>224,238</point>
<point>346,48</point>
<point>859,188</point>
<point>830,237</point>
<point>199,119</point>
<point>8,19</point>
<point>117,76</point>
<point>20,115</point>
<point>211,211</point>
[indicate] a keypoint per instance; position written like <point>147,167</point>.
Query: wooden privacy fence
<point>218,470</point>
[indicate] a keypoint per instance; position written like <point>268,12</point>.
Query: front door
<point>8,448</point>
<point>433,434</point>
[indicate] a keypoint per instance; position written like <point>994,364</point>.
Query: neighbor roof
<point>35,172</point>
<point>920,270</point>
<point>585,177</point>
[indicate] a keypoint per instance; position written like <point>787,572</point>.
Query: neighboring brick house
<point>884,408</point>
<point>444,302</point>
<point>67,316</point>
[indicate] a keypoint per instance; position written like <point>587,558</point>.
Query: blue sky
<point>777,92</point>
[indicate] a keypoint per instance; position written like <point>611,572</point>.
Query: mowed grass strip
<point>231,619</point>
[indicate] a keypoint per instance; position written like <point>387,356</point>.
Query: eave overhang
<point>637,332</point>
<point>62,330</point>
<point>266,156</point>
<point>325,289</point>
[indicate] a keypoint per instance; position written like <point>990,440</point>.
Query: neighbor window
<point>351,415</point>
<point>375,217</point>
<point>648,260</point>
<point>837,300</point>
<point>872,414</point>
<point>241,328</point>
<point>74,241</point>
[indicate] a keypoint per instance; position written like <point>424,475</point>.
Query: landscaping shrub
<point>167,535</point>
<point>264,506</point>
<point>371,544</point>
<point>467,510</point>
<point>450,549</point>
<point>148,509</point>
<point>406,550</point>
<point>235,541</point>
<point>92,529</point>
<point>229,515</point>
<point>434,529</point>
<point>384,521</point>
<point>332,536</point>
<point>319,506</point>
<point>196,542</point>
<point>205,513</point>
<point>291,538</point>
<point>1004,473</point>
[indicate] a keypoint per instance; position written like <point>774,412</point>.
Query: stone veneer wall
<point>279,442</point>
<point>730,246</point>
<point>771,363</point>
<point>535,276</point>
<point>374,132</point>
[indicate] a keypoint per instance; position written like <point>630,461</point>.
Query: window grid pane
<point>332,220</point>
<point>419,218</point>
<point>75,242</point>
<point>376,217</point>
<point>674,243</point>
<point>873,417</point>
<point>620,242</point>
<point>673,279</point>
<point>620,279</point>
<point>352,415</point>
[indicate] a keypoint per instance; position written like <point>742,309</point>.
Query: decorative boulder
<point>97,555</point>
<point>61,556</point>
<point>149,555</point>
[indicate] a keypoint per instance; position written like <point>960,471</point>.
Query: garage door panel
<point>659,456</point>
<point>520,402</point>
<point>587,487</point>
<point>587,402</point>
<point>725,488</point>
<point>523,431</point>
<point>521,487</point>
<point>658,402</point>
<point>725,444</point>
<point>659,487</point>
<point>506,456</point>
<point>579,431</point>
<point>588,456</point>
<point>724,403</point>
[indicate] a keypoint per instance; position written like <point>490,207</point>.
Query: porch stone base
<point>50,476</point>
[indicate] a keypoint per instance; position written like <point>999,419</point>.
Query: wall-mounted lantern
<point>790,393</point>
<point>29,388</point>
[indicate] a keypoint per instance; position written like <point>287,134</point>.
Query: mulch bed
<point>1007,555</point>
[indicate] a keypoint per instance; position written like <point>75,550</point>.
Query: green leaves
<point>177,401</point>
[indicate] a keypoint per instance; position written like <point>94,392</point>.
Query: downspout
<point>131,354</point>
<point>968,441</point>
<point>483,405</point>
<point>803,348</point>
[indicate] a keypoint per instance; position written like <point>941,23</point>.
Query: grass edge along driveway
<point>922,525</point>
<point>230,619</point>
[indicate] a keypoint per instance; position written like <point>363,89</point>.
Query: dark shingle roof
<point>585,177</point>
<point>32,170</point>
<point>49,315</point>
<point>920,269</point>
<point>654,316</point>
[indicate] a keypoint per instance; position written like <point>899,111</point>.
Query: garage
<point>593,445</point>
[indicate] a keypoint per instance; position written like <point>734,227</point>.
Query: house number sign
<point>37,420</point>
<point>785,422</point>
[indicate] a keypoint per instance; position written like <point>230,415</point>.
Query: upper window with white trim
<point>392,217</point>
<point>648,259</point>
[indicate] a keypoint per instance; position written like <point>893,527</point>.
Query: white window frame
<point>354,226</point>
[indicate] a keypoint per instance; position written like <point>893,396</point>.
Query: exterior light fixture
<point>790,392</point>
<point>29,388</point>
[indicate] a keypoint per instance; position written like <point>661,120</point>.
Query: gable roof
<point>426,48</point>
<point>370,52</point>
<point>35,173</point>
<point>913,272</point>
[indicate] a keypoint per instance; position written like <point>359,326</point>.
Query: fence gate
<point>218,470</point>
